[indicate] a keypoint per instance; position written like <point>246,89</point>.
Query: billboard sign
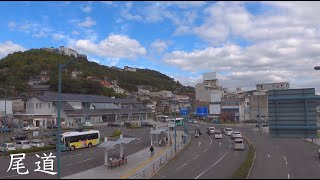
<point>202,111</point>
<point>184,112</point>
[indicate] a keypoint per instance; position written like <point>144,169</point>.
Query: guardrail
<point>149,171</point>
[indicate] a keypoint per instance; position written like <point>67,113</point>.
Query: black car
<point>128,124</point>
<point>146,124</point>
<point>52,127</point>
<point>113,124</point>
<point>20,137</point>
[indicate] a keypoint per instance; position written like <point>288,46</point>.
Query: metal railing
<point>146,173</point>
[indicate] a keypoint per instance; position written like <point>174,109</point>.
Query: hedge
<point>31,150</point>
<point>116,133</point>
<point>244,169</point>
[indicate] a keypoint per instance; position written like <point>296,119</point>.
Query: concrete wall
<point>253,100</point>
<point>7,107</point>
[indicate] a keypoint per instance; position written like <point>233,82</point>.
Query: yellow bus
<point>78,140</point>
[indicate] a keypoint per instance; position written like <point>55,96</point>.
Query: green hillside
<point>17,68</point>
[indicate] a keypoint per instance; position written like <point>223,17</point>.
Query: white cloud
<point>12,25</point>
<point>58,36</point>
<point>86,8</point>
<point>186,4</point>
<point>87,23</point>
<point>159,45</point>
<point>114,46</point>
<point>188,81</point>
<point>75,33</point>
<point>8,47</point>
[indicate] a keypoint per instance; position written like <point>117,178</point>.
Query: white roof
<point>158,131</point>
<point>238,140</point>
<point>76,133</point>
<point>111,144</point>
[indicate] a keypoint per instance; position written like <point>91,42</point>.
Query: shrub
<point>116,133</point>
<point>244,169</point>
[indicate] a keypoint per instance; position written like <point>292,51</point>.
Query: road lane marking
<point>84,160</point>
<point>199,143</point>
<point>285,159</point>
<point>195,157</point>
<point>205,150</point>
<point>288,176</point>
<point>219,144</point>
<point>71,156</point>
<point>216,162</point>
<point>268,155</point>
<point>210,140</point>
<point>69,164</point>
<point>182,165</point>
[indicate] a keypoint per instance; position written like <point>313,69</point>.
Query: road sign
<point>292,113</point>
<point>202,111</point>
<point>184,112</point>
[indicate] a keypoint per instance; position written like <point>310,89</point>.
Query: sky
<point>246,43</point>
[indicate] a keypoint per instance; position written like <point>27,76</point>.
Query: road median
<point>245,169</point>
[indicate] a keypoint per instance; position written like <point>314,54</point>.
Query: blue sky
<point>244,42</point>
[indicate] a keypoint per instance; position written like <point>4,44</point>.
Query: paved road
<point>283,157</point>
<point>79,160</point>
<point>211,158</point>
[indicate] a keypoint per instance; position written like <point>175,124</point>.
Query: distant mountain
<point>17,68</point>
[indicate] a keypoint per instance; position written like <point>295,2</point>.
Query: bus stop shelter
<point>158,134</point>
<point>110,144</point>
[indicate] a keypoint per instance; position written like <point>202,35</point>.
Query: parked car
<point>30,128</point>
<point>52,127</point>
<point>235,133</point>
<point>128,124</point>
<point>146,124</point>
<point>210,130</point>
<point>20,137</point>
<point>25,144</point>
<point>5,130</point>
<point>217,134</point>
<point>113,124</point>
<point>88,124</point>
<point>229,131</point>
<point>7,147</point>
<point>238,144</point>
<point>36,143</point>
<point>51,134</point>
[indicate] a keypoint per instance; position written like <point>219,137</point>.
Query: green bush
<point>31,150</point>
<point>244,169</point>
<point>116,133</point>
<point>135,126</point>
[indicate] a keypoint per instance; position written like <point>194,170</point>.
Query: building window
<point>49,105</point>
<point>36,105</point>
<point>39,105</point>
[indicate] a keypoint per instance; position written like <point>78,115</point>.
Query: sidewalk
<point>137,162</point>
<point>315,141</point>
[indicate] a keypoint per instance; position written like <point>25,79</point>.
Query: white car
<point>217,135</point>
<point>235,133</point>
<point>23,144</point>
<point>229,131</point>
<point>88,124</point>
<point>237,136</point>
<point>195,122</point>
<point>238,144</point>
<point>211,130</point>
<point>7,147</point>
<point>30,128</point>
<point>36,143</point>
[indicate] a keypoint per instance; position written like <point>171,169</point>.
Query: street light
<point>59,120</point>
<point>5,114</point>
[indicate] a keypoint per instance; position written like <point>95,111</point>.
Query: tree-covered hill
<point>18,67</point>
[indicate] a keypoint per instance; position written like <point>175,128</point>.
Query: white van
<point>229,131</point>
<point>7,147</point>
<point>238,144</point>
<point>23,144</point>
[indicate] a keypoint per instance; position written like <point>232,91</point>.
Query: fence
<point>146,173</point>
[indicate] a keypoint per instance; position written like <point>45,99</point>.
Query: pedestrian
<point>152,150</point>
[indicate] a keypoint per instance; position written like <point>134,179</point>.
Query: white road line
<point>84,160</point>
<point>285,159</point>
<point>182,165</point>
<point>219,144</point>
<point>210,140</point>
<point>268,155</point>
<point>216,162</point>
<point>195,157</point>
<point>5,177</point>
<point>205,150</point>
<point>288,176</point>
<point>69,164</point>
<point>71,156</point>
